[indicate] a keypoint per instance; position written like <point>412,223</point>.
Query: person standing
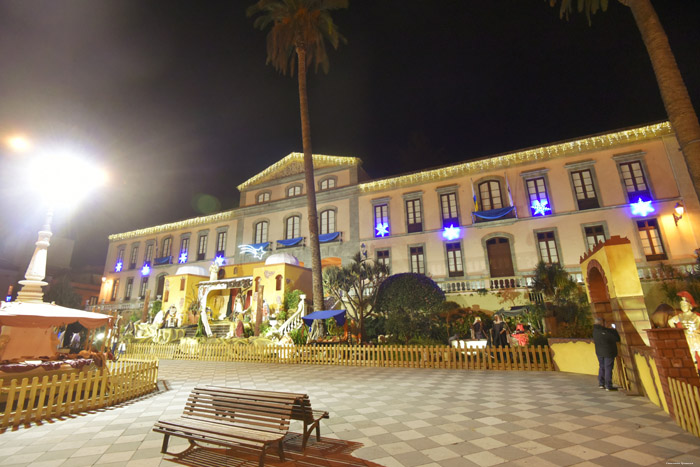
<point>499,332</point>
<point>478,329</point>
<point>605,340</point>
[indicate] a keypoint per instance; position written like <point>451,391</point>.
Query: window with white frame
<point>129,286</point>
<point>292,228</point>
<point>414,215</point>
<point>120,255</point>
<point>381,220</point>
<point>584,188</point>
<point>327,221</point>
<point>455,266</point>
<point>448,208</point>
<point>149,253</point>
<point>294,190</point>
<point>491,196</point>
<point>202,246</point>
<point>166,246</point>
<point>263,197</point>
<point>260,232</point>
<point>417,259</point>
<point>144,287</point>
<point>538,197</point>
<point>650,237</point>
<point>221,243</point>
<point>634,180</point>
<point>134,257</point>
<point>383,257</point>
<point>115,289</point>
<point>548,247</point>
<point>327,183</point>
<point>594,234</point>
<point>184,250</point>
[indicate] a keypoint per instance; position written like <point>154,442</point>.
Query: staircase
<point>218,329</point>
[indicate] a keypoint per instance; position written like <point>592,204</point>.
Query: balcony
<point>494,214</point>
<point>163,260</point>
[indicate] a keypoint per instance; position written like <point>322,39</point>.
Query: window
<point>594,234</point>
<point>537,196</point>
<point>448,205</point>
<point>548,247</point>
<point>651,239</point>
<point>129,285</point>
<point>120,255</point>
<point>327,184</point>
<point>182,284</point>
<point>293,191</point>
<point>134,256</point>
<point>634,180</point>
<point>221,244</point>
<point>115,288</point>
<point>263,197</point>
<point>166,246</point>
<point>278,282</point>
<point>414,217</point>
<point>292,228</point>
<point>455,267</point>
<point>327,221</point>
<point>490,193</point>
<point>149,253</point>
<point>184,250</point>
<point>584,189</point>
<point>381,220</point>
<point>260,232</point>
<point>202,247</point>
<point>383,257</point>
<point>417,259</point>
<point>144,287</point>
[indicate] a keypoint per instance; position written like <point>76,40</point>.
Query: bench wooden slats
<point>232,419</point>
<point>301,411</point>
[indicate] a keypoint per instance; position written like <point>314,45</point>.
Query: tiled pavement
<point>403,417</point>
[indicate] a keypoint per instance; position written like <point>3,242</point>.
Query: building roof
<point>294,164</point>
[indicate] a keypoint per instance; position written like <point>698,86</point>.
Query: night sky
<point>175,100</point>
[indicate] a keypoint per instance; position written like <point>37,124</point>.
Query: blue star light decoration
<point>451,232</point>
<point>118,267</point>
<point>540,208</point>
<point>641,208</point>
<point>183,258</point>
<point>219,261</point>
<point>382,229</point>
<point>257,252</point>
<point>145,270</point>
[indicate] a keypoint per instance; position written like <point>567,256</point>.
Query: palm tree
<point>673,91</point>
<point>301,28</point>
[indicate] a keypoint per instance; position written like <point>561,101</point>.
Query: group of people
<point>498,334</point>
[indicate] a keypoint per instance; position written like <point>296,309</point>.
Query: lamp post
<point>60,178</point>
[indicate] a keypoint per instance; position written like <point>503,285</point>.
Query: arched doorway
<point>598,291</point>
<point>500,258</point>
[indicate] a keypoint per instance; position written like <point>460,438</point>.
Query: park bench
<point>300,411</point>
<point>232,418</point>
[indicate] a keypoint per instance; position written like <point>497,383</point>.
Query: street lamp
<point>60,178</point>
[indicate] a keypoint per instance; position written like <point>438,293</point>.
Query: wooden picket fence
<point>25,400</point>
<point>686,405</point>
<point>385,356</point>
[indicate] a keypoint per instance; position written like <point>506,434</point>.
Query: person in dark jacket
<point>605,340</point>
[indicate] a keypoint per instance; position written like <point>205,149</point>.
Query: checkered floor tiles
<point>401,417</point>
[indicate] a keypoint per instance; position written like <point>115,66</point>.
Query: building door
<point>500,259</point>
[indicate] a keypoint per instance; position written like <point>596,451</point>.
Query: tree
<point>62,293</point>
<point>356,285</point>
<point>301,27</point>
<point>564,298</point>
<point>411,303</point>
<point>673,91</point>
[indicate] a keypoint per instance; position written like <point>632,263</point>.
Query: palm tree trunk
<point>673,91</point>
<point>310,182</point>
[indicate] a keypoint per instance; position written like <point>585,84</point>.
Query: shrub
<point>291,299</point>
<point>539,340</point>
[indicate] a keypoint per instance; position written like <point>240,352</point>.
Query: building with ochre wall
<point>474,227</point>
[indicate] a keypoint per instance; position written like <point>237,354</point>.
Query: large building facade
<point>477,228</point>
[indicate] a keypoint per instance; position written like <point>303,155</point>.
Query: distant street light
<point>60,178</point>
